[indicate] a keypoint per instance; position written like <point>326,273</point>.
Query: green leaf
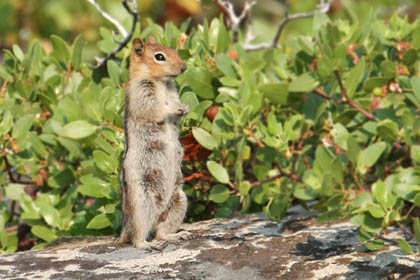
<point>49,213</point>
<point>371,224</point>
<point>370,156</point>
<point>34,58</point>
<point>416,38</point>
<point>190,98</point>
<point>204,138</point>
<point>382,195</point>
<point>323,158</point>
<point>224,63</point>
<point>78,129</point>
<point>389,69</point>
<point>22,126</point>
<point>219,193</point>
<point>18,52</point>
<point>375,210</point>
<point>341,135</point>
<point>3,235</point>
<point>61,49</point>
<point>325,66</point>
<point>200,81</point>
<point>71,145</point>
<point>38,146</point>
<point>375,245</point>
<point>278,207</point>
<point>374,82</point>
<point>91,190</point>
<point>258,195</point>
<point>355,77</point>
<point>319,21</point>
<point>77,52</point>
<point>245,115</point>
<point>3,73</point>
<point>113,71</point>
<point>415,153</point>
<point>410,57</point>
<point>44,233</point>
<point>230,81</point>
<point>14,191</point>
<point>99,221</point>
<point>277,93</point>
<point>244,187</point>
<point>387,130</point>
<point>303,83</point>
<point>353,149</point>
<point>104,161</point>
<point>405,246</point>
<point>415,83</point>
<point>218,172</point>
<point>305,194</point>
<point>416,229</point>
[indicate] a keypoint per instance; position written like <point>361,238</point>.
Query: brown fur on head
<point>153,61</point>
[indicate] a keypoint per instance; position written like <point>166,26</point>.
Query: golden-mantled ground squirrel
<point>153,199</point>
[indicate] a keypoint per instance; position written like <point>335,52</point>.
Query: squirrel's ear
<point>138,46</point>
<point>152,40</point>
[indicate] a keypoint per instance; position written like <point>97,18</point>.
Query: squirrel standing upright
<point>153,199</point>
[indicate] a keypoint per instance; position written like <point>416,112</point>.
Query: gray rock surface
<point>245,247</point>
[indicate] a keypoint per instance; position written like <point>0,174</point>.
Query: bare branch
<point>234,20</point>
<point>112,20</point>
<point>133,11</point>
<point>323,7</point>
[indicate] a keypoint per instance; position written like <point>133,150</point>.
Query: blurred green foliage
<point>329,121</point>
<point>22,21</point>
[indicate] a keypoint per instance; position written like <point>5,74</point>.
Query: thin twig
<point>133,11</point>
<point>323,7</point>
<point>113,126</point>
<point>406,231</point>
<point>268,180</point>
<point>12,179</point>
<point>320,92</point>
<point>396,163</point>
<point>4,87</point>
<point>234,20</point>
<point>351,102</point>
<point>291,175</point>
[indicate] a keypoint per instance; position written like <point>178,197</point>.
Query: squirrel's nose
<point>183,68</point>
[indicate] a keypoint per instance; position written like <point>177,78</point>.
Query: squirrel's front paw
<point>183,110</point>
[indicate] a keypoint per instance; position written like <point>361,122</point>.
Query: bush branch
<point>323,7</point>
<point>321,92</point>
<point>291,175</point>
<point>234,21</point>
<point>351,102</point>
<point>12,179</point>
<point>133,11</point>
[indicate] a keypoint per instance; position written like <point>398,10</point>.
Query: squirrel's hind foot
<point>124,238</point>
<point>150,246</point>
<point>182,235</point>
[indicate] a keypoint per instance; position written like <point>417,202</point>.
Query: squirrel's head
<point>154,61</point>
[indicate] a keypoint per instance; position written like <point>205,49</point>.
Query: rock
<point>246,247</point>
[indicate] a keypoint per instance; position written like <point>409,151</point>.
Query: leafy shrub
<point>329,121</point>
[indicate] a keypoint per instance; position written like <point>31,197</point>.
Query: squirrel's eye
<point>160,57</point>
